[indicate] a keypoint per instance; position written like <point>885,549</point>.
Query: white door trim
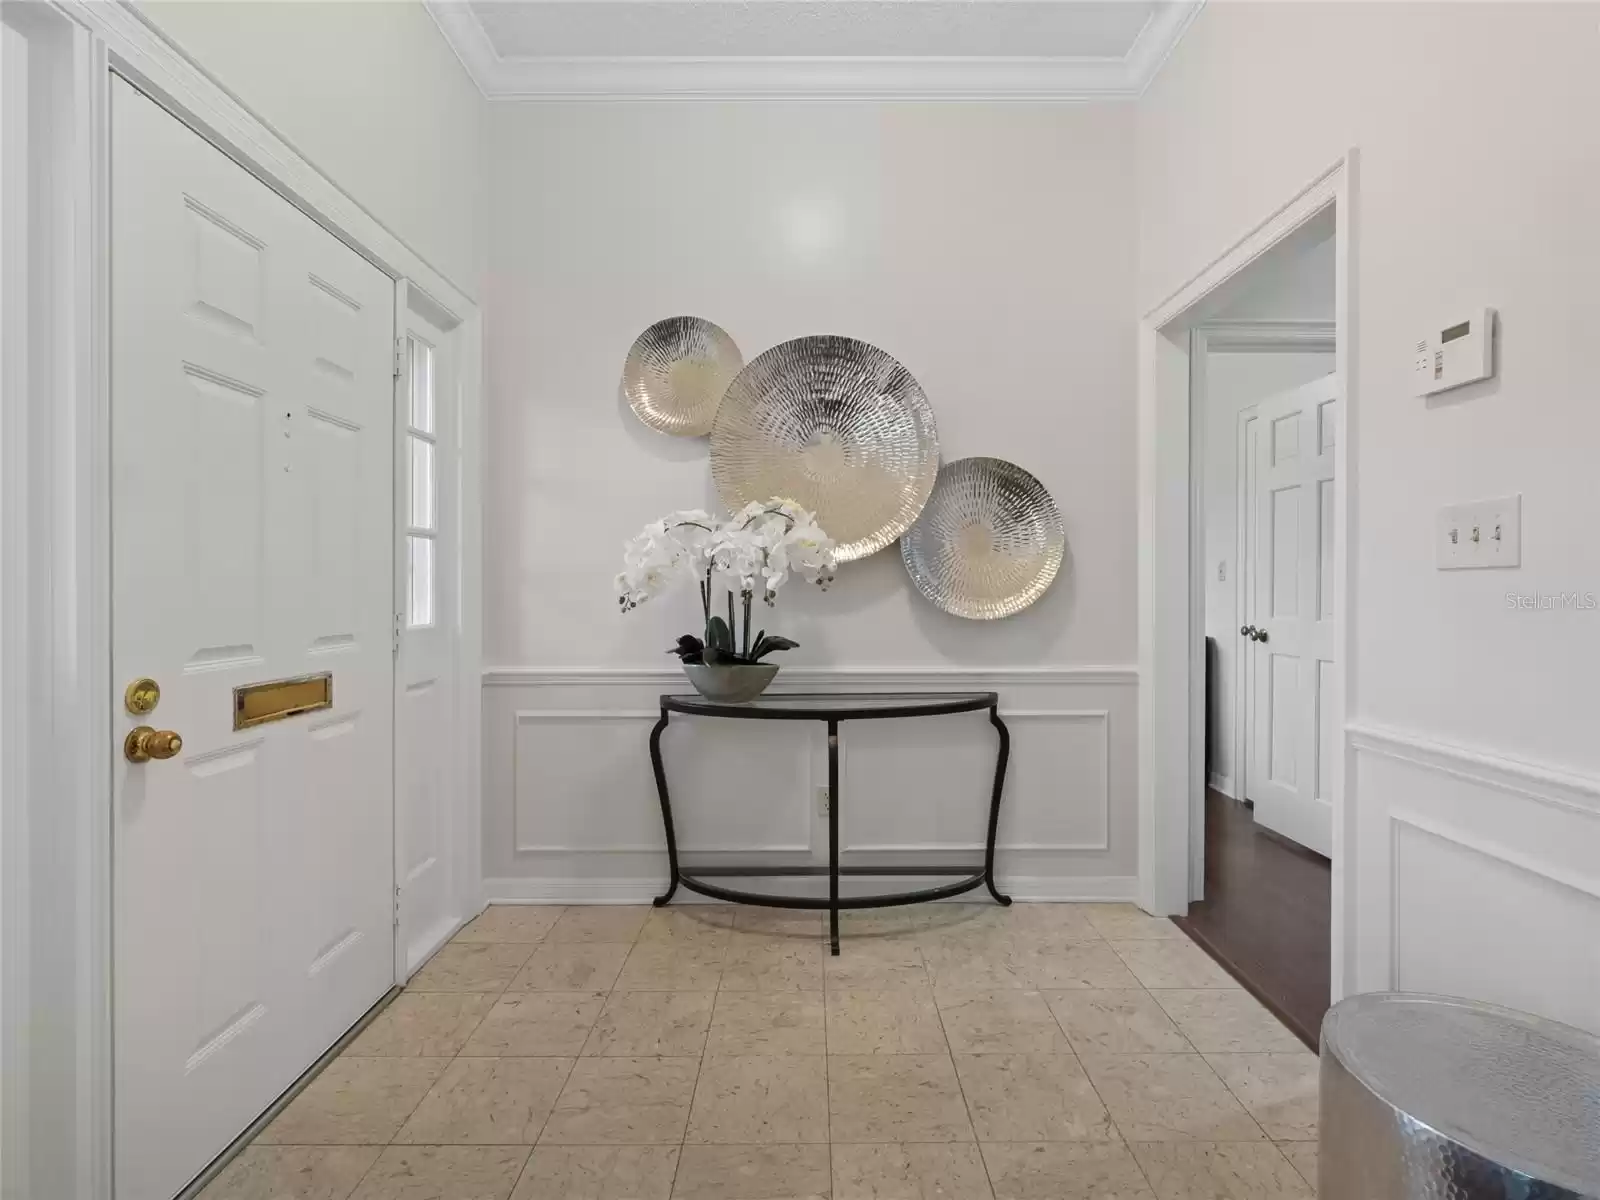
<point>1171,603</point>
<point>1292,336</point>
<point>68,522</point>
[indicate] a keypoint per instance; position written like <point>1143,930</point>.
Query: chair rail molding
<point>854,677</point>
<point>1531,781</point>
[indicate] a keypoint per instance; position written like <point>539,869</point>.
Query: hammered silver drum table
<point>1437,1098</point>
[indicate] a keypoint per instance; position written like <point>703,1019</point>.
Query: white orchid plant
<point>752,554</point>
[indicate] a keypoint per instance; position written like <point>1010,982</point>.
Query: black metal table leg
<point>833,834</point>
<point>994,803</point>
<point>666,808</point>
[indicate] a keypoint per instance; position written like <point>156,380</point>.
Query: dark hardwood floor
<point>1265,915</point>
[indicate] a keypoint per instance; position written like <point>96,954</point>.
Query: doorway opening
<point>1246,619</point>
<point>1265,402</point>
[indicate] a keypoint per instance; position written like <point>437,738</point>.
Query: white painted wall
<point>1233,381</point>
<point>1471,191</point>
<point>371,94</point>
<point>1288,285</point>
<point>989,248</point>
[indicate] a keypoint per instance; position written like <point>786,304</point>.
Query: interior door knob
<point>1261,635</point>
<point>145,743</point>
<point>1248,631</point>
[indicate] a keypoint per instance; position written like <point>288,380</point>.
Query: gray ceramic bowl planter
<point>730,683</point>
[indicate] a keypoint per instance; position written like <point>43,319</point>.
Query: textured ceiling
<point>520,29</point>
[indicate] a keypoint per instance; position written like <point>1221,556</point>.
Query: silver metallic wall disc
<point>676,372</point>
<point>989,542</point>
<point>836,425</point>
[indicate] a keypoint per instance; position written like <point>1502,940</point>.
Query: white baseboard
<point>1221,783</point>
<point>1025,888</point>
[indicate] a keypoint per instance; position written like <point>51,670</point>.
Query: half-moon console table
<point>833,708</point>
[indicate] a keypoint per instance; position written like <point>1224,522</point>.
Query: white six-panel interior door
<point>1289,609</point>
<point>253,540</point>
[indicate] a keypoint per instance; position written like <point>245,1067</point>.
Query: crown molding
<point>465,35</point>
<point>811,78</point>
<point>1157,40</point>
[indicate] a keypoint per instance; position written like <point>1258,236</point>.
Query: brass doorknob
<point>144,743</point>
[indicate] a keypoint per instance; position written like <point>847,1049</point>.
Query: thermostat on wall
<point>1456,353</point>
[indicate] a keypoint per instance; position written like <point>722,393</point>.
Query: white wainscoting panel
<point>571,814</point>
<point>567,756</point>
<point>940,771</point>
<point>1476,876</point>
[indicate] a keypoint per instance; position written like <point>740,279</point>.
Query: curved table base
<point>695,883</point>
<point>833,903</point>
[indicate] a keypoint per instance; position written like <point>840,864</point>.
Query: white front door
<point>1290,614</point>
<point>252,484</point>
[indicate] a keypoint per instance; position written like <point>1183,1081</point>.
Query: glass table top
<point>836,705</point>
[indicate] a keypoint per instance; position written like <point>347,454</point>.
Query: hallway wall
<point>1475,826</point>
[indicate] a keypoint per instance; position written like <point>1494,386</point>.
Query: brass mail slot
<point>259,703</point>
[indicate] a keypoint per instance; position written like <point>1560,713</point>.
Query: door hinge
<point>397,908</point>
<point>399,624</point>
<point>399,357</point>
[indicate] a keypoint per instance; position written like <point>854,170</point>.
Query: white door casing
<point>427,561</point>
<point>251,499</point>
<point>1291,607</point>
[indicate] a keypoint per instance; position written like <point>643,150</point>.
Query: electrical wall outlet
<point>1484,533</point>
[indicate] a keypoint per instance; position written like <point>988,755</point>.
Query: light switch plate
<point>1484,533</point>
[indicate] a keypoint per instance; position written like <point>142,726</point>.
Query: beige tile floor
<point>951,1052</point>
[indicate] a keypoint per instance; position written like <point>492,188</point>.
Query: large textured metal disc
<point>676,372</point>
<point>989,542</point>
<point>838,426</point>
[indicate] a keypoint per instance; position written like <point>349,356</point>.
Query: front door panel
<point>251,395</point>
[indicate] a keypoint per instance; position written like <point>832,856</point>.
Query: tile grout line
<point>827,1069</point>
<point>983,1159</point>
<point>496,998</point>
<point>453,1059</point>
<point>699,1067</point>
<point>1122,1138</point>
